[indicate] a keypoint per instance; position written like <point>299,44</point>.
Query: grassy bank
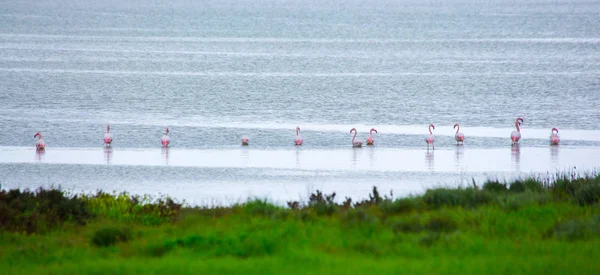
<point>527,226</point>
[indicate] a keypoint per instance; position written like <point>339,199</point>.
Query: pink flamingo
<point>40,144</point>
<point>244,141</point>
<point>554,138</point>
<point>357,143</point>
<point>515,136</point>
<point>429,138</point>
<point>459,136</point>
<point>298,139</point>
<point>107,136</point>
<point>165,138</point>
<point>370,139</point>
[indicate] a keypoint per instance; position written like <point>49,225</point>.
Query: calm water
<point>214,72</point>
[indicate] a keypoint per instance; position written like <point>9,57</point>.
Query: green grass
<point>528,226</point>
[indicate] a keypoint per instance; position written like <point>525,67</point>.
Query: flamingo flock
<point>515,137</point>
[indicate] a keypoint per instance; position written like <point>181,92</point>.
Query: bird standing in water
<point>355,143</point>
<point>554,138</point>
<point>165,140</point>
<point>515,136</point>
<point>298,139</point>
<point>107,136</point>
<point>430,138</point>
<point>459,136</point>
<point>40,144</point>
<point>370,139</point>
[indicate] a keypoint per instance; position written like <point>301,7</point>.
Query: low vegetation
<point>530,225</point>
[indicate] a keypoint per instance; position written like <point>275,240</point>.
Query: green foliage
<point>494,187</point>
<point>464,197</point>
<point>588,194</point>
<point>412,225</point>
<point>517,201</point>
<point>125,207</point>
<point>441,223</point>
<point>322,204</point>
<point>108,236</point>
<point>445,230</point>
<point>401,206</point>
<point>573,230</point>
<point>259,207</point>
<point>27,211</point>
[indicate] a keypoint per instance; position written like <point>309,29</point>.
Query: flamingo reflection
<point>554,153</point>
<point>460,153</point>
<point>516,156</point>
<point>429,158</point>
<point>165,154</point>
<point>108,154</point>
<point>39,154</point>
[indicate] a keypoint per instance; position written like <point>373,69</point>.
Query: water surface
<point>216,71</point>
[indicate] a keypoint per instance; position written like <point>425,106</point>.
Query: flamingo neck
<point>431,133</point>
<point>457,128</point>
<point>518,128</point>
<point>353,136</point>
<point>297,130</point>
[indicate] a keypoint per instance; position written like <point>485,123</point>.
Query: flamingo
<point>554,138</point>
<point>298,139</point>
<point>370,139</point>
<point>244,141</point>
<point>165,138</point>
<point>459,136</point>
<point>357,143</point>
<point>429,138</point>
<point>107,136</point>
<point>515,136</point>
<point>40,144</point>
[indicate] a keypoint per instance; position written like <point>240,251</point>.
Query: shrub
<point>404,205</point>
<point>259,207</point>
<point>322,204</point>
<point>528,184</point>
<point>576,229</point>
<point>494,186</point>
<point>533,185</point>
<point>467,197</point>
<point>441,224</point>
<point>125,207</point>
<point>517,187</point>
<point>429,239</point>
<point>40,210</point>
<point>406,226</point>
<point>374,199</point>
<point>108,236</point>
<point>517,201</point>
<point>588,194</point>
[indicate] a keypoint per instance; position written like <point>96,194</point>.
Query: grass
<point>527,226</point>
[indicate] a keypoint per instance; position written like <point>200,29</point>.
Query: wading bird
<point>355,143</point>
<point>554,138</point>
<point>429,138</point>
<point>298,139</point>
<point>165,140</point>
<point>40,144</point>
<point>107,136</point>
<point>370,139</point>
<point>459,136</point>
<point>515,136</point>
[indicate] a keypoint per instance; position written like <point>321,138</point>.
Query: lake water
<point>214,72</point>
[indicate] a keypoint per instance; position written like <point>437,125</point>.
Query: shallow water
<point>214,72</point>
